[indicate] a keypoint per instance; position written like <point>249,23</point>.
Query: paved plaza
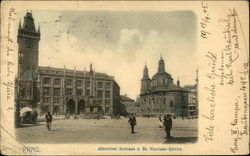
<point>107,131</point>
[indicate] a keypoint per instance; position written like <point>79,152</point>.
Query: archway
<point>71,106</point>
<point>81,107</point>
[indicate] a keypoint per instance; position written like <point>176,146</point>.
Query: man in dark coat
<point>168,125</point>
<point>34,117</point>
<point>132,121</point>
<point>48,120</point>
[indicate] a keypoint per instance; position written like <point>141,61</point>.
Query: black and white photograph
<point>118,78</point>
<point>124,77</point>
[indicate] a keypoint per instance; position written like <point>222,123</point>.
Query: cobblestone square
<point>108,131</point>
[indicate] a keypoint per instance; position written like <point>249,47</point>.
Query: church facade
<point>160,95</point>
<point>60,90</point>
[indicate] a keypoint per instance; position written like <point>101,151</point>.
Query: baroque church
<point>160,95</point>
<point>59,90</point>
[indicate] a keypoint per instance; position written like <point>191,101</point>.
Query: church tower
<point>145,81</point>
<point>28,44</point>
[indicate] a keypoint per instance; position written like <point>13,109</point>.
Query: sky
<point>119,43</point>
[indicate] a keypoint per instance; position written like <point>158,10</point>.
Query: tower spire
<point>20,24</point>
<point>178,81</point>
<point>145,73</point>
<point>161,65</point>
<point>91,68</point>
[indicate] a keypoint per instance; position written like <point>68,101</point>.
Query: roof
<point>30,75</point>
<point>125,98</point>
<point>160,74</point>
<point>174,87</point>
<point>168,88</point>
<point>61,70</point>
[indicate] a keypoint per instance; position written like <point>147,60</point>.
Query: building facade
<point>128,103</point>
<point>60,90</point>
<point>159,95</point>
<point>192,100</point>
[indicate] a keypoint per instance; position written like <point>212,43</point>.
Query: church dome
<point>161,75</point>
<point>161,78</point>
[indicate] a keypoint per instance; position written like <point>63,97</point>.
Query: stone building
<point>192,100</point>
<point>128,103</point>
<point>60,90</point>
<point>159,95</point>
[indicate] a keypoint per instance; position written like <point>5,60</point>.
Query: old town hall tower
<point>28,43</point>
<point>60,90</point>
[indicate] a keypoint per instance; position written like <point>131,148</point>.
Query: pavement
<point>107,131</point>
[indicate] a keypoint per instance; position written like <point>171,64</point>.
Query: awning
<point>24,110</point>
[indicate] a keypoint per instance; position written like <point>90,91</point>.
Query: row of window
<point>69,82</point>
<point>159,81</point>
<point>29,33</point>
<point>158,110</point>
<point>79,92</point>
<point>156,101</point>
<point>57,101</point>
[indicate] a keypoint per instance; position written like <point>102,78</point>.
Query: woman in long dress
<point>160,122</point>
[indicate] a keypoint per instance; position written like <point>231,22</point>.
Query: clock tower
<point>28,42</point>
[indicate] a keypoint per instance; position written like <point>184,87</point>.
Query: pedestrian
<point>48,120</point>
<point>132,121</point>
<point>160,122</point>
<point>168,125</point>
<point>34,117</point>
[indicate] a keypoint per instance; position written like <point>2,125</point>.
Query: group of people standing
<point>167,123</point>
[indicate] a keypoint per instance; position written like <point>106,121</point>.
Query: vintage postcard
<point>124,77</point>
